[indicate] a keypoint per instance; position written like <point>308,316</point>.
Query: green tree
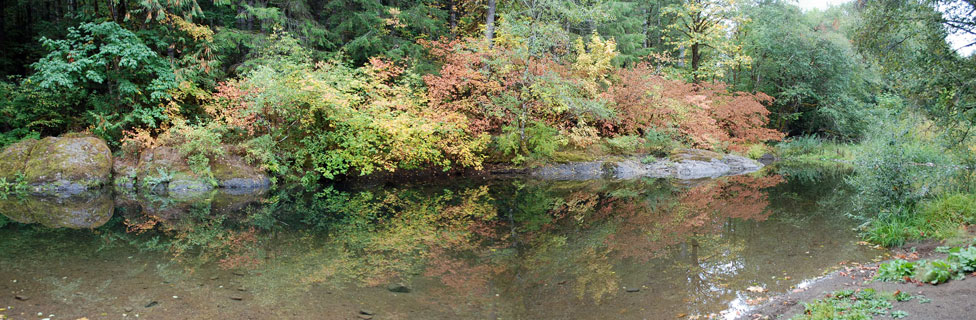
<point>107,75</point>
<point>821,85</point>
<point>704,27</point>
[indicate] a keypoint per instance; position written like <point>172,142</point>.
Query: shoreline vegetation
<point>201,94</point>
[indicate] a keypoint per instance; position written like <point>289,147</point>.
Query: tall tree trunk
<point>490,22</point>
<point>241,21</point>
<point>250,18</point>
<point>3,21</point>
<point>452,8</point>
<point>113,12</point>
<point>645,26</point>
<point>681,56</point>
<point>695,61</point>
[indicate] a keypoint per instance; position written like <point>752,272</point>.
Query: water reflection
<point>502,249</point>
<point>85,210</point>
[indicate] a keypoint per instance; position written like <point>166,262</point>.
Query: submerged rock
<point>58,165</point>
<point>687,165</point>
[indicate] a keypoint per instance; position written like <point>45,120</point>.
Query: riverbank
<point>950,300</point>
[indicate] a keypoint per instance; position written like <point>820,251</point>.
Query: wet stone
<point>398,287</point>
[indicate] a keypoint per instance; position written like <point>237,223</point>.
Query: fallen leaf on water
<point>756,289</point>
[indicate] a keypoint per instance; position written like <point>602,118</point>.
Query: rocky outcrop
<point>686,165</point>
<point>165,168</point>
<point>74,163</point>
<point>62,165</point>
<point>232,172</point>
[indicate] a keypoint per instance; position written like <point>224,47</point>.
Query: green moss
<point>564,156</point>
<point>58,162</point>
<point>14,158</point>
<point>696,154</point>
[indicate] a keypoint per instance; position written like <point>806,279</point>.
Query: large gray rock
<point>58,165</point>
<point>687,165</point>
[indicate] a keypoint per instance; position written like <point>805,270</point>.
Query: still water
<point>496,249</point>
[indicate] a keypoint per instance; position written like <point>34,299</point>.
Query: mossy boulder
<point>68,165</point>
<point>232,172</point>
<point>166,166</point>
<point>13,159</point>
<point>124,172</point>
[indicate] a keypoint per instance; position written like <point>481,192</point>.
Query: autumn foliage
<point>705,115</point>
<point>585,98</point>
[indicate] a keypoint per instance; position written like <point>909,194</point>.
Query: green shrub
<point>624,144</point>
<point>658,143</point>
<point>540,142</point>
<point>936,272</point>
<point>896,270</point>
<point>105,74</point>
<point>963,258</point>
<point>801,145</point>
<point>899,164</point>
<point>863,304</point>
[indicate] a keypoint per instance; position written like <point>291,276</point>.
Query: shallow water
<point>498,249</point>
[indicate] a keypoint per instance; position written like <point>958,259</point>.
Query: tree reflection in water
<point>508,248</point>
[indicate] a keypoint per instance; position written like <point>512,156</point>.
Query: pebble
<point>236,298</point>
<point>366,312</point>
<point>398,287</point>
<point>632,289</point>
<point>365,317</point>
<point>127,309</point>
<point>238,273</point>
<point>241,289</point>
<point>21,297</point>
<point>214,278</point>
<point>151,304</point>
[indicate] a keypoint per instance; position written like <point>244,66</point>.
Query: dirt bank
<point>955,299</point>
